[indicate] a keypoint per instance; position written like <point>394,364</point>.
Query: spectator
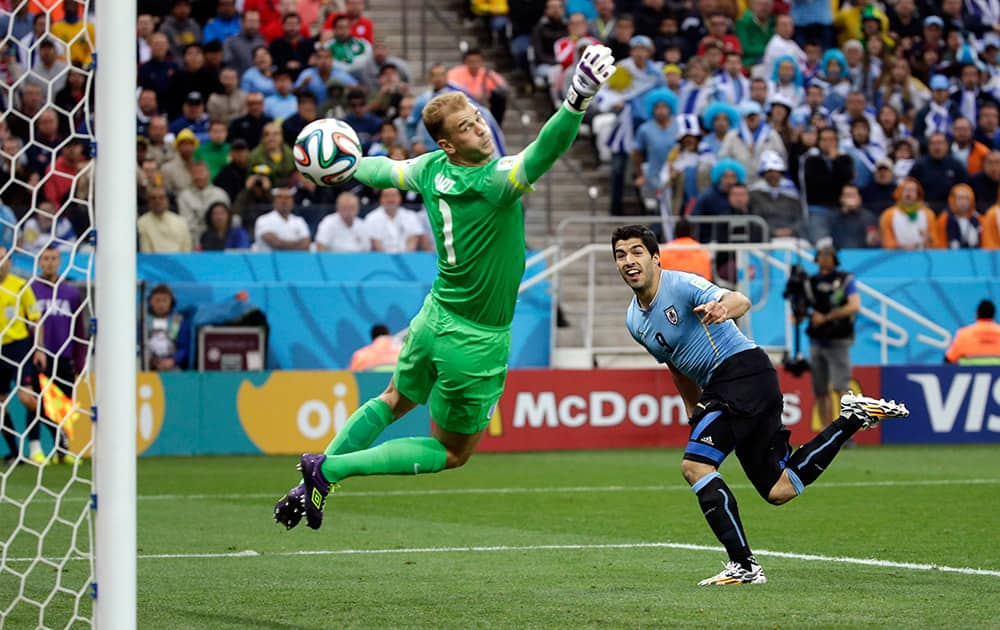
<point>350,54</point>
<point>719,118</point>
<point>854,226</point>
<point>147,108</point>
<point>161,142</point>
<point>891,126</point>
<point>879,193</point>
<point>969,153</point>
<point>77,32</point>
<point>991,228</point>
<point>48,70</point>
<point>282,103</point>
<point>194,201</point>
<point>717,33</point>
<point>970,97</point>
<point>291,51</point>
<point>275,154</point>
<point>224,25</point>
<point>620,40</point>
<point>904,23</point>
<point>63,174</point>
<point>322,74</point>
<point>233,176</point>
<point>863,151</point>
<point>160,230</point>
<point>748,143</point>
<point>359,26</point>
<point>180,28</point>
<point>239,50</point>
<point>305,113</point>
<point>986,183</point>
<point>484,85</point>
<point>41,150</point>
<point>938,171</point>
<point>19,119</point>
<point>813,22</point>
<point>775,199</point>
<point>679,173</point>
<point>653,141</point>
<point>44,228</point>
<point>437,79</point>
<point>937,116</point>
<point>167,332</point>
<point>602,25</point>
<point>280,230</point>
<point>231,102</point>
<point>392,228</point>
<point>250,127</point>
<point>825,173</point>
<point>544,36</point>
<point>193,117</point>
<point>959,226</point>
<point>344,230</point>
<point>18,308</point>
<point>855,108</point>
<point>988,127</point>
<point>381,355</point>
<point>364,123</point>
<point>195,76</point>
<point>214,56</point>
<point>754,30</point>
<point>26,48</point>
<point>900,90</point>
<point>256,198</point>
<point>715,201</point>
<point>259,78</point>
<point>730,86</point>
<point>903,152</point>
<point>391,90</point>
<point>380,58</point>
<point>835,303</point>
<point>978,343</point>
<point>782,45</point>
<point>786,83</point>
<point>220,233</point>
<point>697,261</point>
<point>696,90</point>
<point>909,224</point>
<point>177,172</point>
<point>834,74</point>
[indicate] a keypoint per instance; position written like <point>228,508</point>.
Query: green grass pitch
<point>549,540</point>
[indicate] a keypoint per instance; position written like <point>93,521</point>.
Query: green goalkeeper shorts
<point>455,364</point>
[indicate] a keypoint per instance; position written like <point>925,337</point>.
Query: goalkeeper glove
<point>595,67</point>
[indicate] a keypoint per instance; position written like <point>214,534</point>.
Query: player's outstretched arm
<point>595,67</point>
<point>381,172</point>
<point>732,305</point>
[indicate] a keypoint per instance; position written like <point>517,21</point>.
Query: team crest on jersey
<point>506,163</point>
<point>443,184</point>
<point>671,314</point>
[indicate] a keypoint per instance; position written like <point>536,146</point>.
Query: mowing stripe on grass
<point>560,489</point>
<point>808,557</point>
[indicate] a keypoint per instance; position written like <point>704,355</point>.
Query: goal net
<point>48,494</point>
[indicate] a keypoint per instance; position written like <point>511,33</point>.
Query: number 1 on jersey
<point>449,231</point>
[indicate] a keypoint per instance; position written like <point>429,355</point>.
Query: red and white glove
<point>595,68</point>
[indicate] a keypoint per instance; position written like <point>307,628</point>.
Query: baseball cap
<point>771,161</point>
<point>750,108</point>
<point>640,40</point>
<point>991,40</point>
<point>185,135</point>
<point>194,98</point>
<point>933,20</point>
<point>239,144</point>
<point>884,163</point>
<point>939,82</point>
<point>671,68</point>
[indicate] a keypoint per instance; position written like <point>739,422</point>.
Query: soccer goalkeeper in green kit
<point>455,357</point>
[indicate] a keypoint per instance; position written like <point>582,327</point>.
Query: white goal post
<point>115,374</point>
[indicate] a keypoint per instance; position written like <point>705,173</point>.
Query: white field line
<point>570,489</point>
<point>899,483</point>
<point>808,557</point>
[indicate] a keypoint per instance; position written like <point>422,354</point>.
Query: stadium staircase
<point>575,187</point>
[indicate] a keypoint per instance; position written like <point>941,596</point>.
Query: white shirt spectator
<point>293,228</point>
<point>910,232</point>
<point>394,233</point>
<point>334,235</point>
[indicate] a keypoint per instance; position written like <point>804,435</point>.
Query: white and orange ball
<point>327,152</point>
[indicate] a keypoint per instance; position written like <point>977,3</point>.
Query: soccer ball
<point>327,152</point>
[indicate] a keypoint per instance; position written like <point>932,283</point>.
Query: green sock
<point>361,429</point>
<point>404,456</point>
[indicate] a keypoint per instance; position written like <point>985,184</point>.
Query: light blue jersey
<point>673,333</point>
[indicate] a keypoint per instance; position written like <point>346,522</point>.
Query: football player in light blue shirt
<point>731,392</point>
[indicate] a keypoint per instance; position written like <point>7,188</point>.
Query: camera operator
<point>834,302</point>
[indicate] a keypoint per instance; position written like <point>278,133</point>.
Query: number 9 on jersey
<point>327,152</point>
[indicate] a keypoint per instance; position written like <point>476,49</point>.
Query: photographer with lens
<point>834,301</point>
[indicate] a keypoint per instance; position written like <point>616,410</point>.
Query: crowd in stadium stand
<point>859,124</point>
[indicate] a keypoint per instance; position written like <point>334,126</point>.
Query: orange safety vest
<point>696,261</point>
<point>379,354</point>
<point>977,344</point>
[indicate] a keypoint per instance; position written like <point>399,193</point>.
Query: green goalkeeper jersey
<point>477,218</point>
